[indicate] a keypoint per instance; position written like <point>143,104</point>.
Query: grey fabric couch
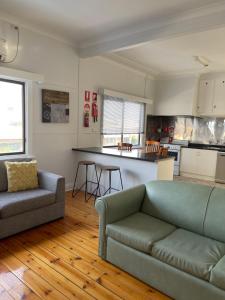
<point>170,235</point>
<point>23,210</point>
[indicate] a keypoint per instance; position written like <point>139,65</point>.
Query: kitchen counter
<point>219,148</point>
<point>137,166</point>
<point>139,154</point>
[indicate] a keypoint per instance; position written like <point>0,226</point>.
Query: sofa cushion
<point>180,203</point>
<point>217,277</point>
<point>214,220</point>
<point>139,231</point>
<point>12,204</point>
<point>189,252</point>
<point>21,175</point>
<point>3,173</point>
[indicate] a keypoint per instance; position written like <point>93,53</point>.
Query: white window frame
<point>31,80</point>
<point>128,98</point>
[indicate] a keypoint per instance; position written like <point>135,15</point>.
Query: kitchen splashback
<point>196,130</point>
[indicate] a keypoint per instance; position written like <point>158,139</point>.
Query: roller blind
<point>122,116</point>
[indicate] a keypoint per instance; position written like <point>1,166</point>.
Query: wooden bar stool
<point>109,169</point>
<point>87,164</point>
<point>163,151</point>
<point>152,146</point>
<point>125,146</point>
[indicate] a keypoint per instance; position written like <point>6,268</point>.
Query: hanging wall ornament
<point>87,96</point>
<point>94,107</point>
<point>94,97</point>
<point>86,115</point>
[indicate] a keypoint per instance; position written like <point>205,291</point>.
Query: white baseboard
<point>196,176</point>
<point>69,186</point>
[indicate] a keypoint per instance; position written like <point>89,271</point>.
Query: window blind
<point>122,117</point>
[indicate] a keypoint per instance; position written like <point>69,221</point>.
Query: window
<point>12,121</point>
<point>122,121</point>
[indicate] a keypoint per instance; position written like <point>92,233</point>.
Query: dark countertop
<point>219,148</point>
<point>138,154</point>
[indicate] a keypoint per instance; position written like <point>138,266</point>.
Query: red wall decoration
<point>86,114</point>
<point>93,107</point>
<point>87,96</point>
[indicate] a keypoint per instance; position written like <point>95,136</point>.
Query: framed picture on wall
<point>55,106</point>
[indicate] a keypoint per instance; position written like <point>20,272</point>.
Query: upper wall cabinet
<point>191,95</point>
<point>205,97</point>
<point>211,96</point>
<point>219,97</point>
<point>176,96</point>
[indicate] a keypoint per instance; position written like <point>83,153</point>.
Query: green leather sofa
<point>170,235</point>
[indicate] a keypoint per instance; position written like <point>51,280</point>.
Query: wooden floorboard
<point>60,260</point>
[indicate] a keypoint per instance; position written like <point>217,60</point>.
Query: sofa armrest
<point>114,207</point>
<point>52,182</point>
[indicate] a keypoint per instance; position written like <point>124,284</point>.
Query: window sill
<point>12,156</point>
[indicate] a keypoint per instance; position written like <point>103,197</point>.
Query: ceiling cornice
<point>189,73</point>
<point>153,75</point>
<point>15,21</point>
<point>181,74</point>
<point>201,19</point>
<point>135,66</point>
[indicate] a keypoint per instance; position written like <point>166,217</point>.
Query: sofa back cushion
<point>214,225</point>
<point>3,172</point>
<point>22,175</point>
<point>182,204</point>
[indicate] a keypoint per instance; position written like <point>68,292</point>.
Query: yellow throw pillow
<point>21,175</point>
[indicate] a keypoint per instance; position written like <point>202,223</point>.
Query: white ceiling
<point>176,54</point>
<point>99,26</point>
<point>83,21</point>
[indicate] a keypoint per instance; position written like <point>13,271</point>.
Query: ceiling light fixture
<point>4,45</point>
<point>202,60</point>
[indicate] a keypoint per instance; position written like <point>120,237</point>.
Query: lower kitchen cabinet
<point>198,163</point>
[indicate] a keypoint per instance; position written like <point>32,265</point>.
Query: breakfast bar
<point>137,166</point>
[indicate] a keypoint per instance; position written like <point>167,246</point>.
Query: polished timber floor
<point>59,261</point>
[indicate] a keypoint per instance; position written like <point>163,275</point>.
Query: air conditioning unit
<point>3,52</point>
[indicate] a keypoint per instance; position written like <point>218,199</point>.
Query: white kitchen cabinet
<point>205,97</point>
<point>219,97</point>
<point>198,163</point>
<point>176,96</point>
<point>211,95</point>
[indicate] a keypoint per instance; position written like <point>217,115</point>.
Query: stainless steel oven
<point>174,150</point>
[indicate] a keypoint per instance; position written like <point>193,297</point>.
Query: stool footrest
<point>110,188</point>
<point>75,192</point>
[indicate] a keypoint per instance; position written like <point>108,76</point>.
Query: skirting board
<point>69,186</point>
<point>196,176</point>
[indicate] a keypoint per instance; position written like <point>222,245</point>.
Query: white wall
<point>51,143</point>
<point>176,96</point>
<point>98,73</point>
